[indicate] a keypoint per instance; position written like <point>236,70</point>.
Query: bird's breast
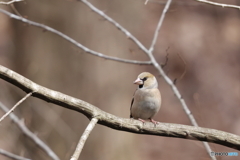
<point>146,103</point>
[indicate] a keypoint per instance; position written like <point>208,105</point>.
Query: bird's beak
<point>138,81</point>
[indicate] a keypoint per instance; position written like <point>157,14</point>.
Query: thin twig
<point>83,139</point>
<point>185,69</point>
<point>11,155</point>
<point>219,4</point>
<point>155,37</point>
<point>185,66</point>
<point>166,59</point>
<point>29,134</point>
<point>123,124</point>
<point>98,54</point>
<point>17,104</point>
<point>146,2</point>
<point>10,2</point>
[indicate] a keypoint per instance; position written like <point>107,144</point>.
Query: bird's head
<point>146,80</point>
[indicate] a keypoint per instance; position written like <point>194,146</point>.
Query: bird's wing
<point>132,104</point>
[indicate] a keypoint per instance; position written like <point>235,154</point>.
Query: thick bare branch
<point>123,124</point>
<point>98,54</point>
<point>15,106</point>
<point>219,4</point>
<point>29,134</point>
<point>83,139</point>
<point>11,155</point>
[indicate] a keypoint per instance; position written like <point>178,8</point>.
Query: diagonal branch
<point>83,139</point>
<point>10,2</point>
<point>159,26</point>
<point>114,122</point>
<point>69,39</point>
<point>15,106</point>
<point>29,134</point>
<point>11,155</point>
<point>219,4</point>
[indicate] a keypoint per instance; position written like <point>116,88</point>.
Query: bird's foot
<point>154,122</point>
<point>142,120</point>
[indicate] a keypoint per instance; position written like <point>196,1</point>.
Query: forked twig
<point>166,59</point>
<point>185,69</point>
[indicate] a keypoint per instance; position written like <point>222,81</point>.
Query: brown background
<point>206,36</point>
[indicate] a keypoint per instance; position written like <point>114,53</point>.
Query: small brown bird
<point>146,100</point>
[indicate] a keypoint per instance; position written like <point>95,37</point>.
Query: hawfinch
<point>146,100</point>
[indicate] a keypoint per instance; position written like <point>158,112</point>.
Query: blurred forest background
<point>207,37</point>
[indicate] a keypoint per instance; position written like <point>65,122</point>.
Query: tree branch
<point>83,139</point>
<point>15,106</point>
<point>159,26</point>
<point>98,54</point>
<point>122,124</point>
<point>10,2</point>
<point>11,155</point>
<point>219,4</point>
<point>29,134</point>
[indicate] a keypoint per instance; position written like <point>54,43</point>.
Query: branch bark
<point>114,122</point>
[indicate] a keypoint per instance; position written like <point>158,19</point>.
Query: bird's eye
<point>144,79</point>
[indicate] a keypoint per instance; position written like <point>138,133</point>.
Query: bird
<point>146,100</point>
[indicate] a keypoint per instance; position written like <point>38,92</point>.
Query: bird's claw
<point>154,122</point>
<point>142,120</point>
